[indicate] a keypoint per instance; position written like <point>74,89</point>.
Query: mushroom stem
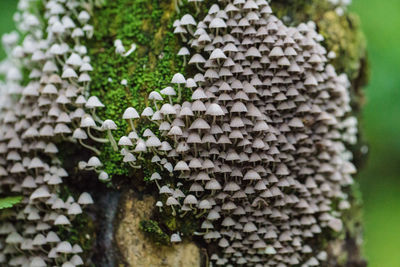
<point>183,214</point>
<point>183,37</point>
<point>190,30</point>
<point>134,166</point>
<point>89,147</point>
<point>173,211</point>
<point>157,184</point>
<point>130,51</point>
<point>97,139</point>
<point>200,214</point>
<point>95,117</point>
<point>155,104</point>
<point>60,61</point>
<point>199,68</point>
<point>73,82</point>
<point>131,124</point>
<point>196,6</point>
<point>112,140</point>
<point>176,6</point>
<point>179,93</point>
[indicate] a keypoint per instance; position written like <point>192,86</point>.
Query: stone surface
<point>137,250</point>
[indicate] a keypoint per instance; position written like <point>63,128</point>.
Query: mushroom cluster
<point>259,152</point>
<point>36,113</point>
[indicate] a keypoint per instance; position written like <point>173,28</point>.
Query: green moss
<point>148,24</point>
<point>153,231</point>
<point>343,36</point>
<point>186,225</point>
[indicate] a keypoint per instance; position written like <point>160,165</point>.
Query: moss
<point>153,231</point>
<point>186,225</point>
<point>148,24</point>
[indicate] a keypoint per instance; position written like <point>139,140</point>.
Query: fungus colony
<point>258,154</point>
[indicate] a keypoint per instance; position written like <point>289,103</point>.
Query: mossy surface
<point>148,24</point>
<point>154,232</point>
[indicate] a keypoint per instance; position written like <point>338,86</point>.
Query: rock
<point>137,250</point>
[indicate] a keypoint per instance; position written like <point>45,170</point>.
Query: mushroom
<point>129,114</point>
<point>109,125</point>
<point>178,79</point>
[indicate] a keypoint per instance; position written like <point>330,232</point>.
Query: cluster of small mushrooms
<point>35,115</point>
<point>258,154</point>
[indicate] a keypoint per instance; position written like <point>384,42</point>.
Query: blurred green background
<point>380,179</point>
<point>381,126</point>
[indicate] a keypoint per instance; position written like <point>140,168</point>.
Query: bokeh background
<point>380,179</point>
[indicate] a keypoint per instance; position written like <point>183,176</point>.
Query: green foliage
<point>9,202</point>
<point>153,231</point>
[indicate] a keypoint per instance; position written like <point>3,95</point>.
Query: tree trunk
<point>128,226</point>
<point>138,234</point>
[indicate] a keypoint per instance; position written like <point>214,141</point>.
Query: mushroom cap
<point>64,247</point>
<point>155,96</point>
<point>37,262</point>
<point>168,91</point>
<point>87,121</point>
<point>187,19</point>
<point>217,54</point>
<point>214,110</point>
<point>93,102</point>
<point>130,113</point>
<point>109,125</point>
<point>175,238</point>
<point>85,199</point>
<point>147,112</point>
<point>94,162</point>
<point>125,141</point>
<point>178,78</point>
<point>79,134</point>
<point>217,23</point>
<point>183,52</point>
